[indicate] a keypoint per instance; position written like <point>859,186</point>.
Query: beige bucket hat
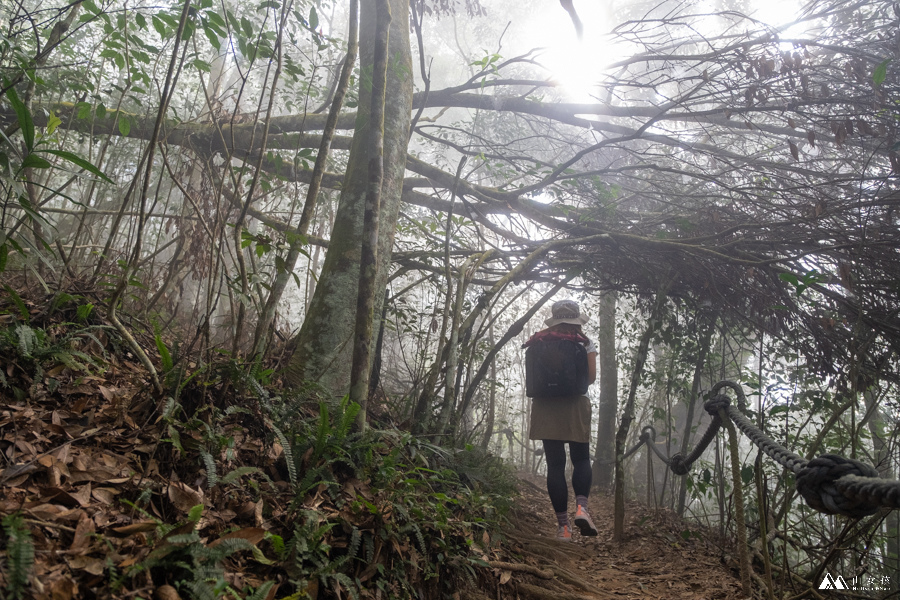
<point>566,311</point>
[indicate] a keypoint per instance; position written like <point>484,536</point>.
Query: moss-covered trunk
<point>325,341</point>
<point>605,449</point>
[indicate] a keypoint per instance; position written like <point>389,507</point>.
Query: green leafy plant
<point>33,349</point>
<point>34,153</point>
<point>19,555</point>
<point>182,559</point>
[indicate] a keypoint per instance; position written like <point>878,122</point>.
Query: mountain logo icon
<point>831,583</point>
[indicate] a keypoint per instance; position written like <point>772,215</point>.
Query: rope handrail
<point>829,483</point>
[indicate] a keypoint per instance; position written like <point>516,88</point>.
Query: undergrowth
<point>411,517</point>
<point>339,513</point>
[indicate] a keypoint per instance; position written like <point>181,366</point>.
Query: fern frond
<point>212,478</point>
<point>201,590</point>
<point>183,538</point>
<point>288,454</point>
<point>323,431</point>
<point>19,555</point>
<point>261,592</point>
<point>223,549</point>
<point>27,340</point>
<point>237,474</point>
<point>349,411</point>
<point>348,584</point>
<point>355,539</point>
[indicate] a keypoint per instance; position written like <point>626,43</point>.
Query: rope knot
<point>678,465</point>
<point>716,403</point>
<point>816,483</point>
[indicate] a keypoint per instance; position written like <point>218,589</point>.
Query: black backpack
<point>556,368</point>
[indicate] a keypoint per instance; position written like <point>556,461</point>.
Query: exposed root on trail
<point>521,568</point>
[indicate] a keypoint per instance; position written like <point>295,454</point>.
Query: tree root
<point>542,546</point>
<point>521,568</point>
<point>532,591</point>
<point>571,579</point>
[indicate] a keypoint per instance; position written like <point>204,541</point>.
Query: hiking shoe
<point>584,523</point>
<point>564,534</point>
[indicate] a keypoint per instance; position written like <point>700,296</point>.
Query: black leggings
<point>555,451</point>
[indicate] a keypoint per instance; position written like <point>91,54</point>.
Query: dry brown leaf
<point>254,535</point>
<point>505,576</point>
<point>83,532</point>
<point>26,448</point>
<point>258,513</point>
<point>105,495</point>
<point>83,495</point>
<point>45,512</point>
<point>166,592</point>
<point>63,589</point>
<point>183,497</point>
<point>17,474</point>
<point>92,565</point>
<point>134,528</point>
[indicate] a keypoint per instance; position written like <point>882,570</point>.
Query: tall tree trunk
<point>296,240</point>
<point>325,341</point>
<point>876,426</point>
<point>605,449</point>
<point>702,353</point>
<point>492,394</point>
<point>365,297</point>
<point>640,358</point>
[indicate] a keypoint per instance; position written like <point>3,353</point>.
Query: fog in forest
<point>307,209</point>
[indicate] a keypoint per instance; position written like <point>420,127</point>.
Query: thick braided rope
<point>872,490</point>
<point>641,441</point>
<point>648,430</point>
<point>645,436</point>
<point>829,483</point>
<point>679,464</point>
<point>770,447</point>
<point>836,485</point>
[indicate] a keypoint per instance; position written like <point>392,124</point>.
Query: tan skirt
<point>567,419</point>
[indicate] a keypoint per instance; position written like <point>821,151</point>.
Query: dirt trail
<point>656,561</point>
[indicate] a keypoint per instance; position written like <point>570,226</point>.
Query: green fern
<point>261,592</point>
<point>322,432</point>
<point>28,340</point>
<point>236,474</point>
<point>212,477</point>
<point>288,453</point>
<point>349,410</point>
<point>348,584</point>
<point>19,555</point>
<point>355,540</point>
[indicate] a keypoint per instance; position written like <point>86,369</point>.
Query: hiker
<point>560,364</point>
